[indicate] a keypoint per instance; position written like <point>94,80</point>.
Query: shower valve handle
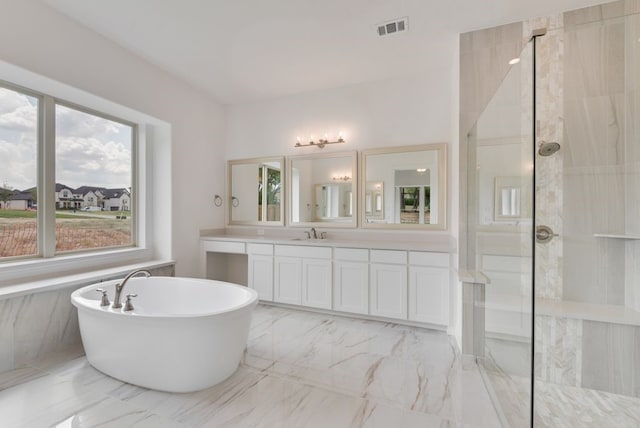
<point>544,234</point>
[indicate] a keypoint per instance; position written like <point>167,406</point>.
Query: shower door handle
<point>544,234</point>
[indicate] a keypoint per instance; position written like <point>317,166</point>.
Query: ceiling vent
<point>399,25</point>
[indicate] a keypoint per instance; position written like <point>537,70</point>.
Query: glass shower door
<point>500,233</point>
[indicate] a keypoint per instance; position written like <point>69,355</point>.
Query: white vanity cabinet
<point>260,269</point>
<point>303,275</point>
<point>388,284</point>
<point>351,280</point>
<point>404,285</point>
<point>429,287</point>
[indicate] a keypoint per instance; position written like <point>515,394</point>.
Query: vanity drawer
<point>303,251</point>
<point>351,254</point>
<point>262,249</point>
<point>223,247</point>
<point>419,258</point>
<point>389,257</point>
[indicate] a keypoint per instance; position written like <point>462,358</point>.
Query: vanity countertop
<point>438,244</point>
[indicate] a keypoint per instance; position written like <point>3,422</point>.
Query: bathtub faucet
<point>120,286</point>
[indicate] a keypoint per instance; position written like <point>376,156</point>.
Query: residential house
<point>66,198</point>
<point>92,196</point>
<point>116,200</point>
<point>21,201</point>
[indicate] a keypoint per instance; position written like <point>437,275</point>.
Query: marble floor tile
<point>18,376</point>
<point>300,369</point>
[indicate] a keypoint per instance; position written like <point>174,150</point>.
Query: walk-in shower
<point>553,221</point>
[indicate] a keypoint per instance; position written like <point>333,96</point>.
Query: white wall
<point>38,39</point>
<point>404,111</point>
<point>410,110</point>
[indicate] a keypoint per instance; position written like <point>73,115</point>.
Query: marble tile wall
<point>38,324</point>
<point>558,350</point>
<point>611,358</point>
<point>601,159</point>
<point>632,160</point>
<point>484,62</point>
<point>549,193</point>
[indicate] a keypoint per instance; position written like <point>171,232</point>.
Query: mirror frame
<point>441,149</point>
<point>283,192</point>
<point>354,189</point>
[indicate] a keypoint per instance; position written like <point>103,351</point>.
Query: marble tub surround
<point>300,370</point>
<point>37,324</point>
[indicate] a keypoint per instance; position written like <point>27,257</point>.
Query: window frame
<point>134,173</point>
<point>46,262</point>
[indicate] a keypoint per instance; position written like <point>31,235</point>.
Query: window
<point>415,204</point>
<point>18,173</point>
<point>83,175</point>
<point>93,155</point>
<point>269,193</point>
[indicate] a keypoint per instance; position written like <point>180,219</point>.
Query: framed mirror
<point>255,189</point>
<point>404,187</point>
<point>322,189</point>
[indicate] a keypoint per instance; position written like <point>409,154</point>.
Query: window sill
<point>51,284</point>
<point>27,270</point>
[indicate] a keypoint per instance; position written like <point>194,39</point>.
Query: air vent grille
<point>396,26</point>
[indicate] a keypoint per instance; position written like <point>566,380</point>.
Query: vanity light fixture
<point>421,170</point>
<point>343,178</point>
<point>320,143</point>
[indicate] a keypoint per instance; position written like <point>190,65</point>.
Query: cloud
<point>18,164</point>
<point>70,122</point>
<point>92,162</point>
<point>18,112</point>
<point>90,150</point>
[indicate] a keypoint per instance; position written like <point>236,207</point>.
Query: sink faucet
<point>314,233</point>
<point>120,286</point>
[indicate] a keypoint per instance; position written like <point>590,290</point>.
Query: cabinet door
<point>351,287</point>
<point>388,290</point>
<point>261,275</point>
<point>287,280</point>
<point>429,294</point>
<point>316,283</point>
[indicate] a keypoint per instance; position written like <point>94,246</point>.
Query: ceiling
<point>244,50</point>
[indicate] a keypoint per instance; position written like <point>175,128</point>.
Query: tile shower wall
<point>549,128</point>
<point>37,324</point>
<point>594,116</point>
<point>558,348</point>
<point>587,87</point>
<point>610,358</point>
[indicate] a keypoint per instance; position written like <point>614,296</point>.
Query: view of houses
<point>89,198</point>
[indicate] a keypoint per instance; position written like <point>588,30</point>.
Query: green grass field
<point>17,214</point>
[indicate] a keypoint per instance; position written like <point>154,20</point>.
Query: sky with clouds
<point>90,150</point>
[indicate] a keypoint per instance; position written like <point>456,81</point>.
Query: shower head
<point>548,148</point>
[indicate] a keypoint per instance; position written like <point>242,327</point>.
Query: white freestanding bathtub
<point>183,335</point>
